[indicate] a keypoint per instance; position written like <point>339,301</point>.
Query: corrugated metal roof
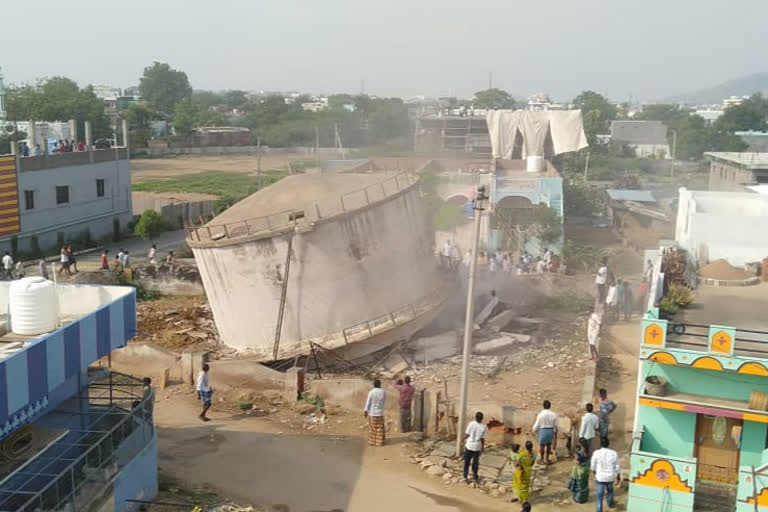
<point>641,196</point>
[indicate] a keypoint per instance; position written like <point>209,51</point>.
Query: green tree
<point>581,199</point>
<point>494,98</point>
<point>22,102</point>
<point>597,113</point>
<point>163,87</point>
<point>139,116</point>
<point>235,99</point>
<point>751,114</point>
<point>8,137</point>
<point>186,116</point>
<point>150,225</point>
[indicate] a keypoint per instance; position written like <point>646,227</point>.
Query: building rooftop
<point>94,320</point>
<point>640,196</point>
<point>746,160</point>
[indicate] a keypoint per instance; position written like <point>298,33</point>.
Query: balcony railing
<point>75,472</point>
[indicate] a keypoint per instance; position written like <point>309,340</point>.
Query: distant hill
<point>743,86</point>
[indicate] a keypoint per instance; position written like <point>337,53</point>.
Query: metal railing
<point>389,321</point>
<point>696,337</point>
<point>74,473</point>
<point>311,212</point>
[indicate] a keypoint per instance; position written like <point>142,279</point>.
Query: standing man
<point>151,258</point>
<point>446,254</point>
<point>606,409</point>
<point>204,391</point>
<point>405,392</point>
<point>601,277</point>
<point>374,411</point>
<point>589,425</point>
<point>474,444</point>
<point>545,428</point>
<point>593,334</point>
<point>605,466</point>
<point>7,266</point>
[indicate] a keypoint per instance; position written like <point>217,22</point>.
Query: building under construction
<point>341,260</point>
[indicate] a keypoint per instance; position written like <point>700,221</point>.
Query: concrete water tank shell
<point>361,262</point>
<point>32,305</point>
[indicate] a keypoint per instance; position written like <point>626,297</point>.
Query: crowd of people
<point>501,261</point>
<point>62,146</point>
<point>603,462</point>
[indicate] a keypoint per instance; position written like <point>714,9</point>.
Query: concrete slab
<point>498,322</point>
<point>435,347</point>
<point>487,471</point>
<point>393,365</point>
<point>496,344</point>
<point>445,449</point>
<point>433,460</point>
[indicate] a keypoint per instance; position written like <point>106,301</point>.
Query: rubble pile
<point>178,325</point>
<point>179,271</point>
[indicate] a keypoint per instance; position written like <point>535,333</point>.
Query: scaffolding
<point>108,423</point>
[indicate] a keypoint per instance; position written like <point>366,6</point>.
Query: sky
<point>644,49</point>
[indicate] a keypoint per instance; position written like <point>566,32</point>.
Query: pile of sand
<point>722,270</point>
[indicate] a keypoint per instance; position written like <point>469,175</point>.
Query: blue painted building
<point>82,436</point>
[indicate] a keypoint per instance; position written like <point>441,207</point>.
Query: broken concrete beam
<point>498,322</point>
<point>393,365</point>
<point>509,339</point>
<point>435,347</point>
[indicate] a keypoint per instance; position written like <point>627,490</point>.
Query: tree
<point>493,98</point>
<point>750,114</point>
<point>539,221</point>
<point>581,199</point>
<point>150,225</point>
<point>139,116</point>
<point>597,113</point>
<point>163,87</point>
<point>186,116</point>
<point>235,99</point>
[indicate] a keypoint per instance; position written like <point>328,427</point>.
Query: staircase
<point>714,497</point>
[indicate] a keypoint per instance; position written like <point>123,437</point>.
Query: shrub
<point>682,296</point>
<point>668,307</point>
<point>150,225</point>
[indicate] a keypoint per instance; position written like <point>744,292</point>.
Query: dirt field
<point>181,165</point>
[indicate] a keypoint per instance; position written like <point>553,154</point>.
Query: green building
<point>700,428</point>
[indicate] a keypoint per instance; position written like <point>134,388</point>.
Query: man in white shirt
<point>545,428</point>
<point>374,411</point>
<point>589,425</point>
<point>601,277</point>
<point>593,334</point>
<point>7,266</point>
<point>204,391</point>
<point>605,466</point>
<point>446,254</point>
<point>474,444</point>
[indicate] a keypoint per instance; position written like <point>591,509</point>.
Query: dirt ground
<point>181,165</point>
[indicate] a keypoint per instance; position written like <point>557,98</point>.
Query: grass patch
<point>569,301</point>
<point>229,187</point>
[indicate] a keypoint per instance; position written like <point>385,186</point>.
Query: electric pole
<point>480,197</point>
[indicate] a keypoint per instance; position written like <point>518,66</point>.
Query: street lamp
<point>480,197</point>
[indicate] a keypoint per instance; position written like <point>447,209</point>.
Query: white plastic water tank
<point>32,306</point>
<point>534,163</point>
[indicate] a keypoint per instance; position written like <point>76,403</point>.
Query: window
<point>99,188</point>
<point>29,199</point>
<point>62,194</point>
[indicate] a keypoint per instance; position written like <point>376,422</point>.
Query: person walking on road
<point>474,444</point>
<point>405,398</point>
<point>7,266</point>
<point>43,269</point>
<point>601,278</point>
<point>204,391</point>
<point>593,334</point>
<point>374,412</point>
<point>105,260</point>
<point>151,255</point>
<point>545,429</point>
<point>605,466</point>
<point>606,409</point>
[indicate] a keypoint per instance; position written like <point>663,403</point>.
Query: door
<point>717,448</point>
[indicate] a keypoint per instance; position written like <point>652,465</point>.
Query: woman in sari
<point>578,483</point>
<point>523,464</point>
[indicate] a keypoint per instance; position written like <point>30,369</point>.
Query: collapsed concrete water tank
<point>32,304</point>
<point>534,163</point>
<point>361,263</point>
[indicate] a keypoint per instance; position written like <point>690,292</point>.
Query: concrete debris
<point>394,364</point>
<point>435,470</point>
<point>435,347</point>
<point>497,344</point>
<point>178,326</point>
<point>178,271</point>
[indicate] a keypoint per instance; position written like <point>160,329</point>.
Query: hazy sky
<point>644,48</point>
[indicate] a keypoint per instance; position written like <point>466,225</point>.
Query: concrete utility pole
<point>480,197</point>
<point>586,167</point>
